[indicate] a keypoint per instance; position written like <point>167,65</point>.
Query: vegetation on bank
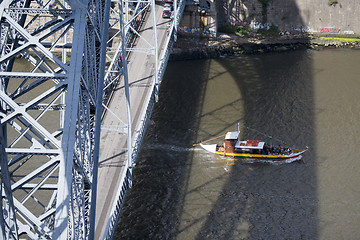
<point>341,39</point>
<point>273,31</point>
<point>228,46</point>
<point>332,2</point>
<point>237,30</point>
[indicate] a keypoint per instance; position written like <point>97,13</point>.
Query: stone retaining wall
<point>199,48</point>
<point>315,16</point>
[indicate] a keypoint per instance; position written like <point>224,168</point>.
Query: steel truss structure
<point>50,111</point>
<point>53,84</point>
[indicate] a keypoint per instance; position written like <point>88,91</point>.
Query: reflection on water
<point>301,98</point>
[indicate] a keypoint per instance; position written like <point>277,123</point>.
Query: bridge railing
<point>115,70</point>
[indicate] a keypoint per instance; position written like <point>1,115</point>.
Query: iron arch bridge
<point>72,114</point>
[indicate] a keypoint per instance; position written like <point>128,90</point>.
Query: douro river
<point>302,98</point>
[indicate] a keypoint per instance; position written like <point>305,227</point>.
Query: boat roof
<point>250,144</point>
<point>232,135</point>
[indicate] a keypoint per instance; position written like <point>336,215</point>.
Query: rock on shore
<point>194,47</point>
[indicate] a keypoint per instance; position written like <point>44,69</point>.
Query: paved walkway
<point>113,144</point>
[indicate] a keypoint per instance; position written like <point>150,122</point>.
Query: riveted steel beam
<point>52,63</point>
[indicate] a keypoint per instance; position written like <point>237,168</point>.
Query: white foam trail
<point>169,147</point>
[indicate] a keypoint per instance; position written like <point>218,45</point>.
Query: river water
<point>303,98</point>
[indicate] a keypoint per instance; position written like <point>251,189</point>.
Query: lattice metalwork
<point>52,64</point>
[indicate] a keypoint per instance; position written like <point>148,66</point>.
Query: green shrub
<point>243,31</point>
<point>238,30</point>
<point>272,31</point>
<point>332,2</point>
<point>227,28</point>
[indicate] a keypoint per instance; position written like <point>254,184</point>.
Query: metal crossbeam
<point>51,107</point>
<point>50,115</point>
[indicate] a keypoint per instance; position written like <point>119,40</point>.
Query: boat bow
<point>210,148</point>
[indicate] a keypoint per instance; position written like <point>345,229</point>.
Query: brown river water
<point>301,98</point>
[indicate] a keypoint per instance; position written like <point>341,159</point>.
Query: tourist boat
<point>252,149</point>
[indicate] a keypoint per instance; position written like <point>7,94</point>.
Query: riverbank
<point>195,47</point>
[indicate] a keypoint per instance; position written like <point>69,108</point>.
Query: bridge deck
<point>113,146</point>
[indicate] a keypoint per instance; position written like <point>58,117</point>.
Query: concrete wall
<point>194,21</point>
<point>294,15</point>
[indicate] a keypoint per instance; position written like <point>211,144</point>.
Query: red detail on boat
<point>252,143</point>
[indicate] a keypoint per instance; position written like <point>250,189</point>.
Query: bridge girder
<point>50,113</point>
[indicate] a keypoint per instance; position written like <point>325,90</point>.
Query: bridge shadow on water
<point>257,201</point>
<point>265,201</point>
<point>153,206</point>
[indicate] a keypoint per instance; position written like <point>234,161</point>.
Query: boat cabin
<point>233,145</point>
<point>230,140</point>
<point>249,146</point>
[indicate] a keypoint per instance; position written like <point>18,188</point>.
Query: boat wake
<point>237,161</point>
<point>287,161</point>
<point>168,147</point>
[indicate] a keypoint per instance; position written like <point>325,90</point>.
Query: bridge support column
<point>51,169</point>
